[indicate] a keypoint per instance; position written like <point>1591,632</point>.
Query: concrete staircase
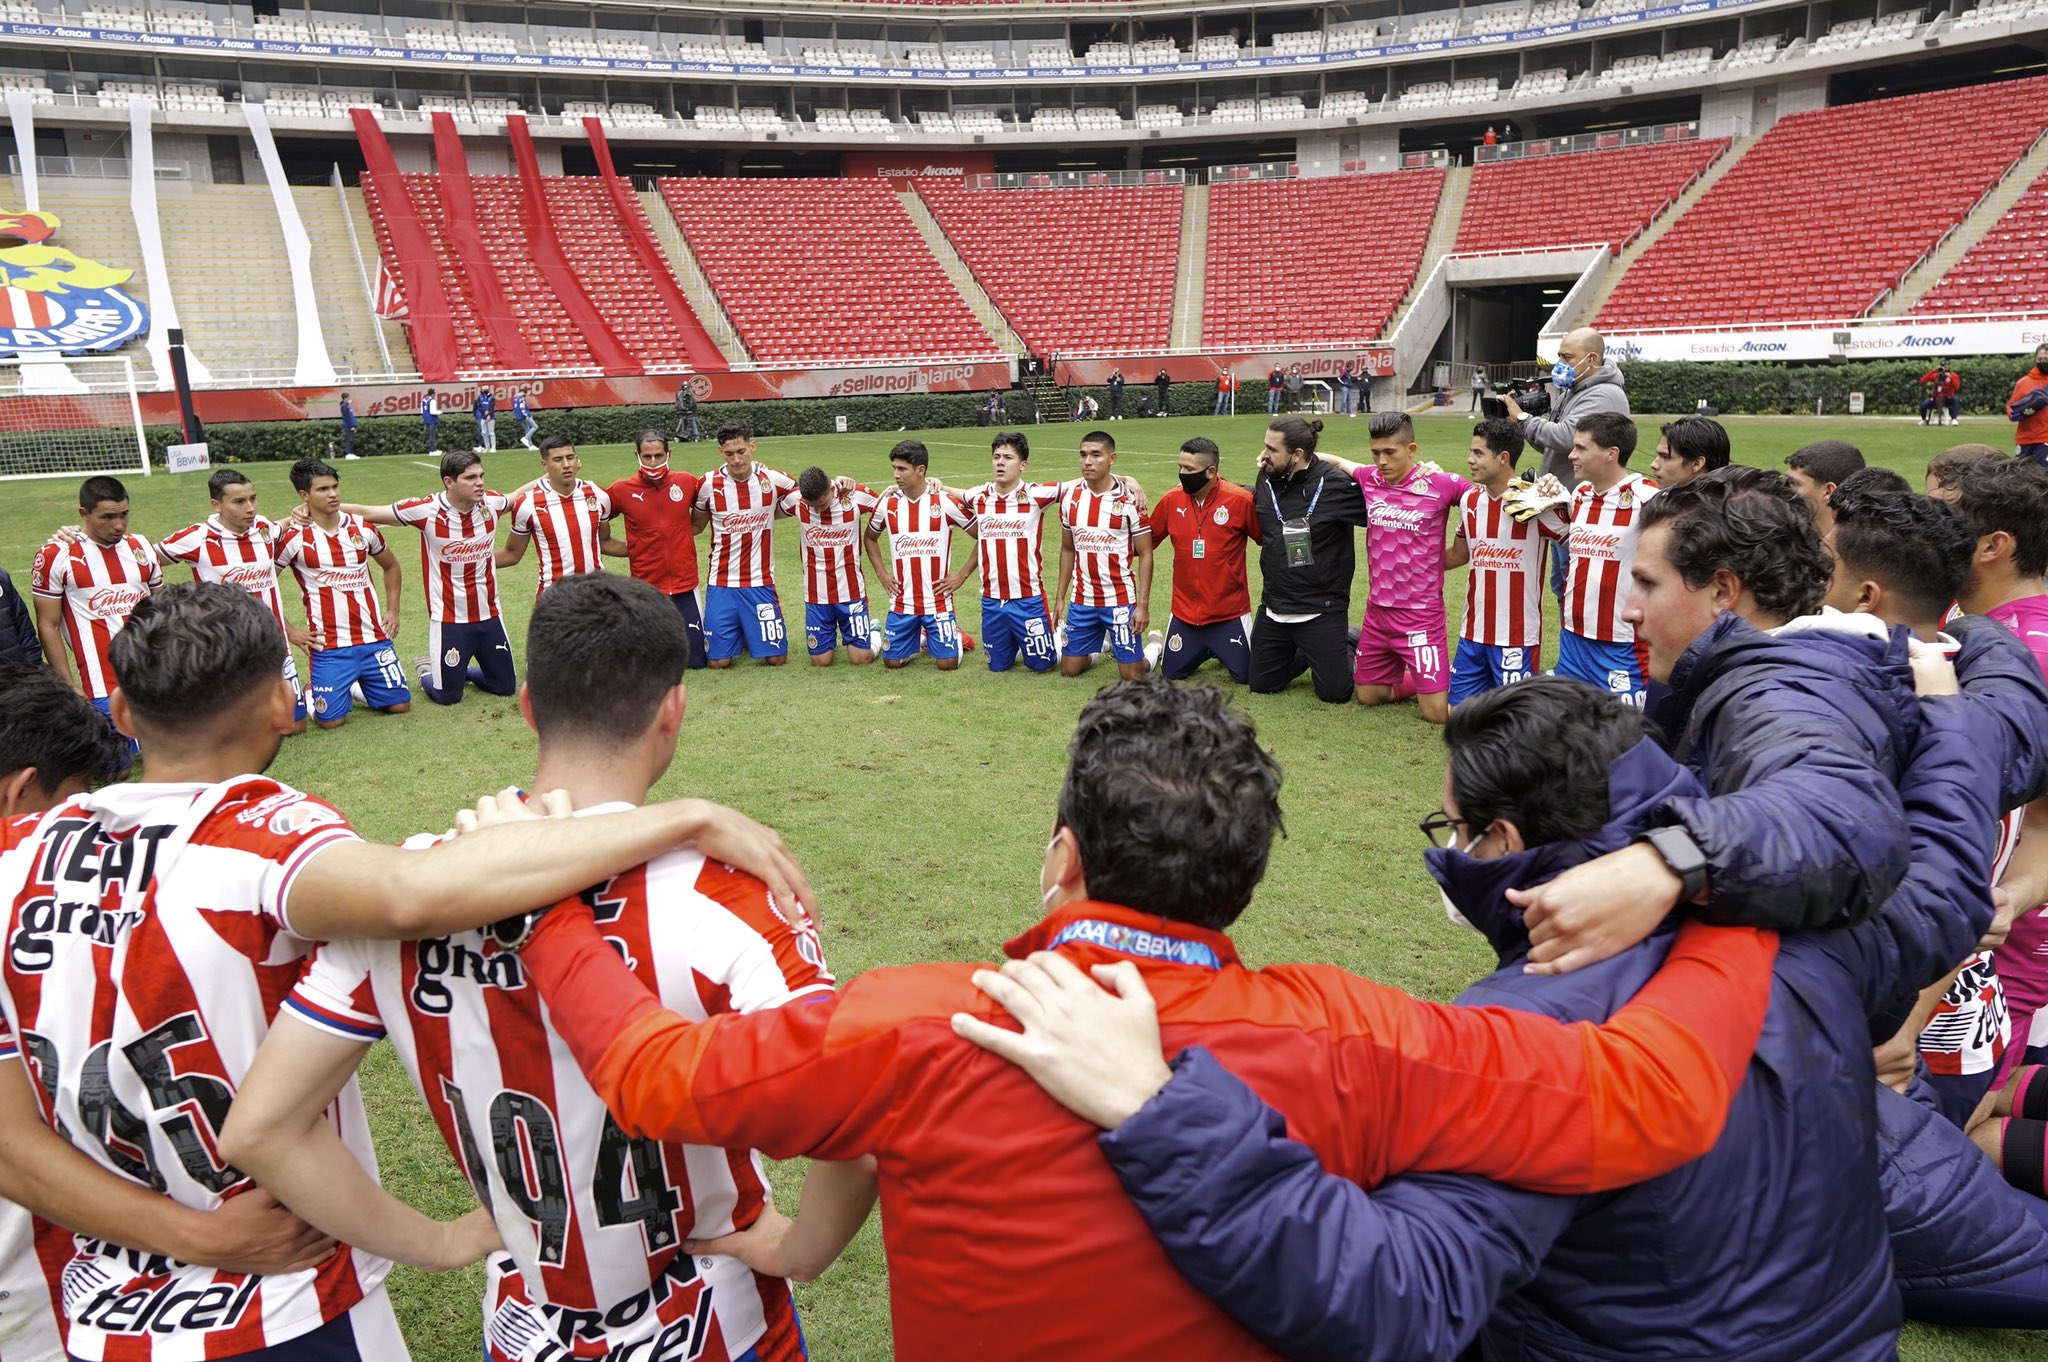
<point>2018,178</point>
<point>971,291</point>
<point>1191,280</point>
<point>1634,250</point>
<point>1443,235</point>
<point>696,285</point>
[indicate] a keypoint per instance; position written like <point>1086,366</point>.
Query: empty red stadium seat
<point>1594,196</point>
<point>1295,262</point>
<point>1070,269</point>
<point>812,270</point>
<point>1829,209</point>
<point>2007,271</point>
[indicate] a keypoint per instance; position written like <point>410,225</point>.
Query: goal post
<point>70,418</point>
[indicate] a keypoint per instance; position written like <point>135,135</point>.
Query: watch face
<point>510,933</point>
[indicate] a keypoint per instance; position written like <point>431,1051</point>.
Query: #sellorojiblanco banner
<point>1866,340</point>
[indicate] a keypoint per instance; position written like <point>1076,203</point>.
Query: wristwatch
<point>513,932</point>
<point>1682,855</point>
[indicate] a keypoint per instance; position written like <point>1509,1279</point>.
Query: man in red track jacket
<point>2028,407</point>
<point>1942,384</point>
<point>1008,1236</point>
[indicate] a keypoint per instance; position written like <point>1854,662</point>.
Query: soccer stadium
<point>1014,345</point>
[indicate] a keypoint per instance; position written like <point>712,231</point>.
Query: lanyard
<point>1278,514</point>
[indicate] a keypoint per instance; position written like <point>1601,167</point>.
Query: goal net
<point>70,418</point>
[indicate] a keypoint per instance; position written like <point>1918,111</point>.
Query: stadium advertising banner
<point>297,404</point>
<point>900,168</point>
<point>1865,340</point>
<point>386,53</point>
<point>53,302</point>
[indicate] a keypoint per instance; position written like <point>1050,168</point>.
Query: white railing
<point>1608,140</point>
<point>241,378</point>
<point>97,167</point>
<point>1075,179</point>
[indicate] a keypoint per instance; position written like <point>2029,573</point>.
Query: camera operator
<point>1586,383</point>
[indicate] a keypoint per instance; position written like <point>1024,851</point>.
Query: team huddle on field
<point>1753,1078</point>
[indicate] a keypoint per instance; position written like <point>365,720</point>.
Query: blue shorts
<point>1086,624</point>
<point>450,650</point>
<point>1189,645</point>
<point>902,635</point>
<point>133,747</point>
<point>1612,667</point>
<point>1480,667</point>
<point>1012,627</point>
<point>743,614</point>
<point>825,625</point>
<point>337,670</point>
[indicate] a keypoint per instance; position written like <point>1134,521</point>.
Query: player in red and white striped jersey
<point>1596,645</point>
<point>237,546</point>
<point>561,513</point>
<point>458,551</point>
<point>151,929</point>
<point>1106,560</point>
<point>598,1226</point>
<point>350,636</point>
<point>835,593</point>
<point>740,605</point>
<point>85,590</point>
<point>919,521</point>
<point>1500,640</point>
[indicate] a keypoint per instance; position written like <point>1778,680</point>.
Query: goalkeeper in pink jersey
<point>1403,641</point>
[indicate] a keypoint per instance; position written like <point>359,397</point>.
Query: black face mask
<point>1193,483</point>
<point>2040,368</point>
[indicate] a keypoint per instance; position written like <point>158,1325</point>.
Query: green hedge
<point>1890,387</point>
<point>264,441</point>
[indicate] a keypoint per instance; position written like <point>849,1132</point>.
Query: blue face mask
<point>1563,375</point>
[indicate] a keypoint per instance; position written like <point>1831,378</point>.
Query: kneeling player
<point>1009,514</point>
<point>1105,543</point>
<point>1403,635</point>
<point>1207,520</point>
<point>835,593</point>
<point>919,520</point>
<point>1501,638</point>
<point>600,1228</point>
<point>740,605</point>
<point>330,552</point>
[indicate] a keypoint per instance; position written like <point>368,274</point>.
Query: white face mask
<point>1451,909</point>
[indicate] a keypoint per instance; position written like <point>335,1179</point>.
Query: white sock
<point>1153,652</point>
<point>875,641</point>
<point>355,690</point>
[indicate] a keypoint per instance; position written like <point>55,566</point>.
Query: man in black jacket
<point>1309,509</point>
<point>18,639</point>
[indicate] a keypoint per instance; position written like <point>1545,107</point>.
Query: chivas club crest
<point>54,302</point>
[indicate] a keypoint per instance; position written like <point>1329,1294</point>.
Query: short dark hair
<point>1945,466</point>
<point>308,471</point>
<point>734,428</point>
<point>1750,522</point>
<point>2012,497</point>
<point>1610,430</point>
<point>1015,439</point>
<point>223,478</point>
<point>548,444</point>
<point>1385,424</point>
<point>912,452</point>
<point>456,462</point>
<point>650,434</point>
<point>48,725</point>
<point>194,651</point>
<point>1826,461</point>
<point>1536,754</point>
<point>1100,437</point>
<point>93,491</point>
<point>602,649</point>
<point>813,483</point>
<point>1918,547</point>
<point>1501,436</point>
<point>1698,439</point>
<point>1202,447</point>
<point>1865,481</point>
<point>1172,801</point>
<point>1297,432</point>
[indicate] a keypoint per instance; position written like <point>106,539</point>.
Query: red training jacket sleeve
<point>785,1081</point>
<point>1524,1099</point>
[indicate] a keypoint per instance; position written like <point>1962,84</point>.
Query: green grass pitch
<point>921,835</point>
